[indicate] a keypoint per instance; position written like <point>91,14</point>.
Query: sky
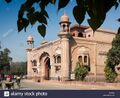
<point>16,41</point>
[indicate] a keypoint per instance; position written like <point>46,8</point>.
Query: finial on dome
<point>65,13</point>
<point>64,18</point>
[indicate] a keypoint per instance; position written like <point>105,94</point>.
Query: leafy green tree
<point>5,56</point>
<point>110,74</point>
<point>18,68</point>
<point>96,9</point>
<point>113,59</point>
<point>5,60</point>
<point>80,71</point>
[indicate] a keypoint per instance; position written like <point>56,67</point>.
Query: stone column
<point>29,64</point>
<point>65,56</point>
<point>95,62</point>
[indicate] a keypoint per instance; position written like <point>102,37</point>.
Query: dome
<point>64,18</point>
<point>30,38</point>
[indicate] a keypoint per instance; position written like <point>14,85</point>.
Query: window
<point>34,63</point>
<point>85,59</point>
<point>58,59</point>
<point>57,69</point>
<point>73,34</point>
<point>88,35</point>
<point>80,34</point>
<point>64,27</point>
<point>35,70</point>
<point>80,58</point>
<point>54,59</point>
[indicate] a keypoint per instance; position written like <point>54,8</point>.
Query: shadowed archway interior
<point>47,68</point>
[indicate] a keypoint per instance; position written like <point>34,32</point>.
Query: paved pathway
<point>55,85</point>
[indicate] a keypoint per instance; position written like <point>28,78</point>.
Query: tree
<point>113,59</point>
<point>18,68</point>
<point>110,74</point>
<point>96,9</point>
<point>80,71</point>
<point>5,60</point>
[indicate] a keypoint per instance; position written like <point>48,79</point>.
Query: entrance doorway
<point>47,68</point>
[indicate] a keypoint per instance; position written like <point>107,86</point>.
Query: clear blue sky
<point>16,42</point>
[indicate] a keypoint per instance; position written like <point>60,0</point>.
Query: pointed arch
<point>45,64</point>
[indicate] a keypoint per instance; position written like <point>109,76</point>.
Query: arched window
<point>80,58</point>
<point>85,59</point>
<point>54,59</point>
<point>80,34</point>
<point>34,63</point>
<point>89,35</point>
<point>73,34</point>
<point>59,59</point>
<point>64,27</point>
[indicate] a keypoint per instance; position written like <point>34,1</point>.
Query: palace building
<point>56,60</point>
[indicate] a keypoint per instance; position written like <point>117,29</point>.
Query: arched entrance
<point>47,68</point>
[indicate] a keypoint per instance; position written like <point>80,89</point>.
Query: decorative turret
<point>64,23</point>
<point>30,42</point>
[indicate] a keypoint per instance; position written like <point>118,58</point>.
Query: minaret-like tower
<point>64,23</point>
<point>30,42</point>
<point>64,35</point>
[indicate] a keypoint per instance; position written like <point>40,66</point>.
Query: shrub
<point>113,59</point>
<point>80,72</point>
<point>110,74</point>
